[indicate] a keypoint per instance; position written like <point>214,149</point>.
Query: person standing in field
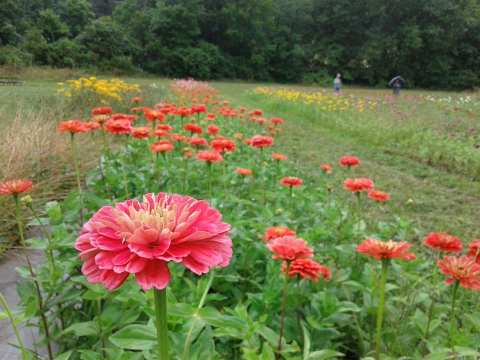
<point>337,84</point>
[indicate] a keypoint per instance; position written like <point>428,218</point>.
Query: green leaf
<point>306,342</point>
<point>324,354</point>
<point>134,337</point>
<point>64,356</point>
<point>87,328</point>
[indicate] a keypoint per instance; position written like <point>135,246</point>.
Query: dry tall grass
<point>31,148</point>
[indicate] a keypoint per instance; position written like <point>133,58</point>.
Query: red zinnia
<point>261,141</point>
<point>209,156</point>
<point>193,128</point>
<point>257,112</point>
<point>223,145</point>
<point>277,120</point>
<point>463,269</point>
<point>141,238</point>
<point>289,248</point>
<point>243,171</point>
<point>164,127</point>
<point>349,161</point>
<point>276,232</point>
<point>15,187</point>
<point>137,99</point>
<point>443,242</point>
<point>104,110</point>
<point>358,185</point>
<point>386,249</point>
<point>379,196</point>
<point>291,181</point>
<point>212,129</point>
<point>307,269</point>
<point>72,127</point>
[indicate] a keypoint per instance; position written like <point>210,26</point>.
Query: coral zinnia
<point>463,269</point>
<point>358,185</point>
<point>140,238</point>
<point>118,126</point>
<point>72,127</point>
<point>349,161</point>
<point>386,249</point>
<point>443,242</point>
<point>289,248</point>
<point>261,141</point>
<point>276,232</point>
<point>307,269</point>
<point>198,141</point>
<point>142,132</point>
<point>15,187</point>
<point>243,171</point>
<point>279,157</point>
<point>162,146</point>
<point>326,168</point>
<point>209,156</point>
<point>378,195</point>
<point>474,250</point>
<point>291,181</point>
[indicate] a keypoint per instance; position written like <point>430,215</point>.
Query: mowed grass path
<point>433,199</point>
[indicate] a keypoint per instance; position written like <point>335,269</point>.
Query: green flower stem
<point>209,166</point>
<point>453,321</point>
<point>77,174</point>
<point>18,215</point>
<point>381,307</point>
<point>46,234</point>
<point>6,308</point>
<point>188,339</point>
<point>100,330</point>
<point>283,310</point>
<point>160,297</point>
<point>185,170</point>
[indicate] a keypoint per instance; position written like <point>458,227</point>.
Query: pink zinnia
<point>140,238</point>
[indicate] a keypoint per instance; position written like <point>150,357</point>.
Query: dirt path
<point>8,282</point>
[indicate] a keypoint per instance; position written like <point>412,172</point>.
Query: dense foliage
<point>432,43</point>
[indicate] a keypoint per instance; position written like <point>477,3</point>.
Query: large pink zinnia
<point>142,237</point>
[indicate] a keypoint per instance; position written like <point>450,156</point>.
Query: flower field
<point>197,237</point>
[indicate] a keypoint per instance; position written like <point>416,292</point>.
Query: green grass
<point>432,196</point>
<point>405,148</point>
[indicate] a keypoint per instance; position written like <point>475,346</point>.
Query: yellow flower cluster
<point>322,99</point>
<point>104,91</point>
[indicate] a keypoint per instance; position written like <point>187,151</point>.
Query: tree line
<point>431,43</point>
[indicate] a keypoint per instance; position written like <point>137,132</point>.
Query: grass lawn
<point>421,151</point>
